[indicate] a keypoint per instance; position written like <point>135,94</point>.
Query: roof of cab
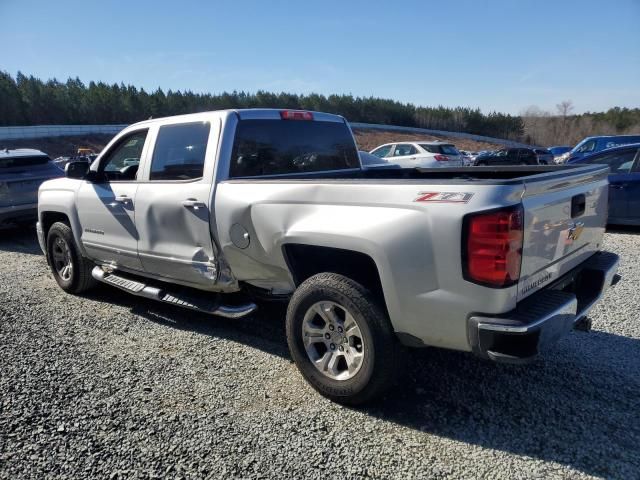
<point>243,113</point>
<point>20,152</point>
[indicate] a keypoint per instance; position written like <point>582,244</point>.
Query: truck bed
<point>504,175</point>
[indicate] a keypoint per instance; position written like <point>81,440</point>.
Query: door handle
<point>192,203</point>
<point>120,200</point>
<point>618,186</point>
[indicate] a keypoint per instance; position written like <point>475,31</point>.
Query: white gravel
<point>108,385</point>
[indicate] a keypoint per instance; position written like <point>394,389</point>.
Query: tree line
<point>564,128</point>
<point>27,100</point>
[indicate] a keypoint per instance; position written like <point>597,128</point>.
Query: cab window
<point>121,163</point>
<point>180,151</point>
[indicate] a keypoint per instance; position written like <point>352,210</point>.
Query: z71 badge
<point>444,197</point>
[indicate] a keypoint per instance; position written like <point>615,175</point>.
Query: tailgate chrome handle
<point>617,186</point>
<point>192,203</point>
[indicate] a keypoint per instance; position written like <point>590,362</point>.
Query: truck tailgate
<point>565,215</point>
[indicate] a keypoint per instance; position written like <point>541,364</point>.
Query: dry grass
<point>368,140</point>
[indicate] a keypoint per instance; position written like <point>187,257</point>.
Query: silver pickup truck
<point>216,211</point>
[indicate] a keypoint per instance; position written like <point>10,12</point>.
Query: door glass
<point>121,163</point>
<point>586,147</point>
<point>404,149</point>
<point>619,162</point>
<point>180,151</point>
<point>382,152</point>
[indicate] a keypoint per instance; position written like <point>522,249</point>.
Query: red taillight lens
<point>295,115</point>
<point>441,158</point>
<point>492,253</point>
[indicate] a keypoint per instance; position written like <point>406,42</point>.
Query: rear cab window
<point>281,147</point>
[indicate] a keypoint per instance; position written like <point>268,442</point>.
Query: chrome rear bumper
<point>541,319</point>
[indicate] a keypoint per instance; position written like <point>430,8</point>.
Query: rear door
<point>172,213</point>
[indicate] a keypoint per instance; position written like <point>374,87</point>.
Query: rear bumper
<point>19,213</point>
<point>544,317</point>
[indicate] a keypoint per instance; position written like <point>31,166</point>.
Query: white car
<point>420,154</point>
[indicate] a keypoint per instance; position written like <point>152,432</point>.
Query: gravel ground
<point>108,385</point>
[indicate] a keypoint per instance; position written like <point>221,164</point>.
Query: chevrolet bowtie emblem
<point>575,231</point>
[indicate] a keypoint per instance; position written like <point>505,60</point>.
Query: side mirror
<point>76,170</point>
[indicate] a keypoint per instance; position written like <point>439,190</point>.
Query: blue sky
<point>493,54</point>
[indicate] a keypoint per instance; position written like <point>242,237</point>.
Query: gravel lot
<point>108,385</point>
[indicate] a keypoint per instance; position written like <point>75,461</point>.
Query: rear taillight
<point>295,115</point>
<point>441,158</point>
<point>492,247</point>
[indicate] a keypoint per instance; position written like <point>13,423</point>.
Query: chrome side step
<point>187,298</point>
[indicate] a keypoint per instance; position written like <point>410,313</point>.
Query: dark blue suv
<point>591,145</point>
<point>624,181</point>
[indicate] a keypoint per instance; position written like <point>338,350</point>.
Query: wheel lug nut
<point>331,327</point>
<point>345,340</point>
<point>341,348</point>
<point>332,346</point>
<point>327,336</point>
<point>340,329</point>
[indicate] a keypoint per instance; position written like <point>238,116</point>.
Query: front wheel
<point>340,339</point>
<point>70,269</point>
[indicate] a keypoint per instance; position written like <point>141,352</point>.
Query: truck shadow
<point>624,229</point>
<point>20,239</point>
<point>576,406</point>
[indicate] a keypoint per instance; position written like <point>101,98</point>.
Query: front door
<point>172,209</point>
<point>106,204</point>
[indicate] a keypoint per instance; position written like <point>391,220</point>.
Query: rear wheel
<point>70,269</point>
<point>340,339</point>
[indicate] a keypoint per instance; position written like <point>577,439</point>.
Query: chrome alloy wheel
<point>332,340</point>
<point>62,259</point>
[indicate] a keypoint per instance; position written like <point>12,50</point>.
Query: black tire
<point>380,357</point>
<point>79,276</point>
<point>482,164</point>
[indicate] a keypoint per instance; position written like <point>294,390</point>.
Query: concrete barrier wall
<point>39,131</point>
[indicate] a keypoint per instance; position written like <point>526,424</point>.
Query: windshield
<point>276,147</point>
<point>23,161</point>
<point>584,147</point>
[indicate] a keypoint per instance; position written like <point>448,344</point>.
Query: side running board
<point>206,302</point>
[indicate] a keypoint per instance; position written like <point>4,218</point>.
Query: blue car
<point>21,173</point>
<point>624,181</point>
<point>591,145</point>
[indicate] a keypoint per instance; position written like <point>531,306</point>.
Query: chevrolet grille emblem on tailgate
<point>575,231</point>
